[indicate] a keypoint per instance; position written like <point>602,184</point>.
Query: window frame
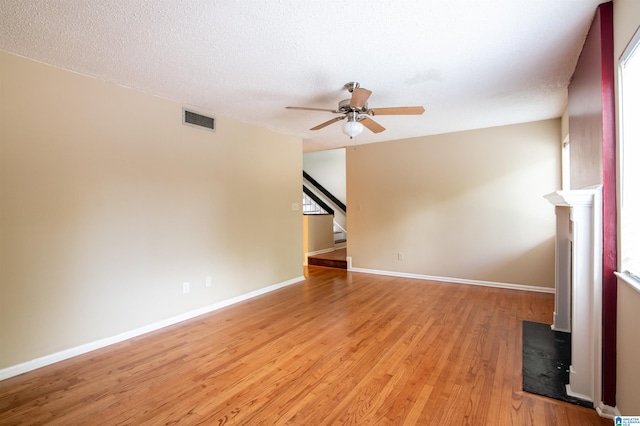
<point>631,52</point>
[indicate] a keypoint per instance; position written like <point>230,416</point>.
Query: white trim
<point>24,367</point>
<point>629,279</point>
<point>577,394</point>
<point>579,220</point>
<point>627,110</point>
<point>455,280</point>
<point>630,49</point>
<point>607,411</point>
<point>327,250</point>
<point>574,197</point>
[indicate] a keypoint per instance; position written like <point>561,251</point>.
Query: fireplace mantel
<point>578,304</point>
<point>574,198</point>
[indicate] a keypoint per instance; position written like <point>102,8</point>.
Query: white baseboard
<point>88,347</point>
<point>454,280</point>
<point>327,250</point>
<point>607,411</point>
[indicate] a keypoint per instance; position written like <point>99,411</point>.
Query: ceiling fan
<point>358,113</point>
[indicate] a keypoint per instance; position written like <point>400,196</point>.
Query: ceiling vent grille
<point>191,118</point>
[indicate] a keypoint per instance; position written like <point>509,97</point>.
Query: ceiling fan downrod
<point>351,86</point>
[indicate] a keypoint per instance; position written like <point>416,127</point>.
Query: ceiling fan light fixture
<point>352,128</point>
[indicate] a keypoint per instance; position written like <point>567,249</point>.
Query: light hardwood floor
<point>338,348</point>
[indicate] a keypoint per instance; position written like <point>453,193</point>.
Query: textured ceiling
<point>471,63</point>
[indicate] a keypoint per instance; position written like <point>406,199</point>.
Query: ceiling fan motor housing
<point>344,106</point>
<point>357,112</point>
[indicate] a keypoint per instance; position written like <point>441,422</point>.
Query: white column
<point>580,229</point>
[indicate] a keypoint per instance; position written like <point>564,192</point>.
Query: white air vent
<point>191,118</point>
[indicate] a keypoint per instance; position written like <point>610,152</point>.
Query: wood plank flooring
<point>333,259</point>
<point>338,348</point>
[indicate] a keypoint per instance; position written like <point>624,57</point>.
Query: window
<point>630,157</point>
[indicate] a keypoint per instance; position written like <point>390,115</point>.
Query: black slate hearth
<point>546,356</point>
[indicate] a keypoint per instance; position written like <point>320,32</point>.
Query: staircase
<point>321,201</point>
<point>333,259</point>
<point>339,236</point>
<point>311,206</point>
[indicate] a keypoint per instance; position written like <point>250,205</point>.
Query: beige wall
<point>108,204</point>
<point>318,232</point>
<point>626,15</point>
<point>329,169</point>
<point>466,205</point>
<point>585,114</point>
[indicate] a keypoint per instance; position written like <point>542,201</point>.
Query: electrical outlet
<point>400,255</point>
<point>207,281</point>
<point>185,288</point>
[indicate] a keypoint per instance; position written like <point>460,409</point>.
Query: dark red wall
<point>593,162</point>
